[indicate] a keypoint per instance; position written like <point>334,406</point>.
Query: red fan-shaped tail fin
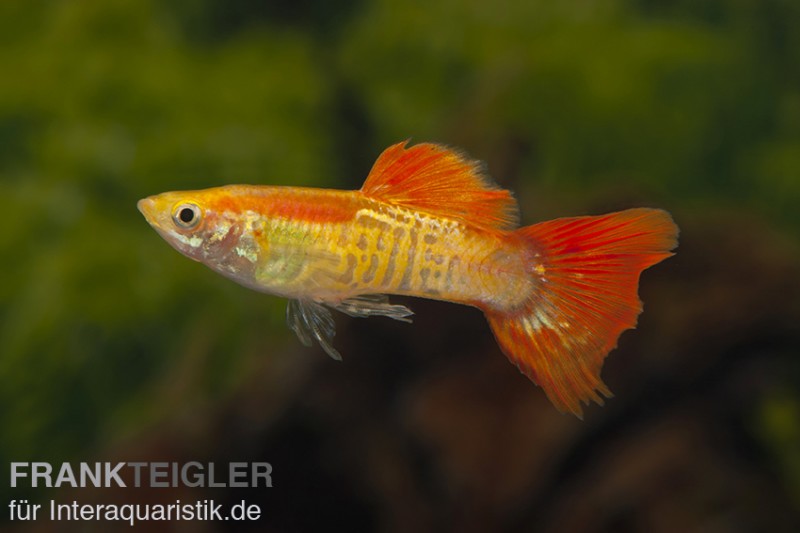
<point>587,271</point>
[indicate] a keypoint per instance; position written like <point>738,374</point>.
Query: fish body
<point>327,246</point>
<point>428,223</point>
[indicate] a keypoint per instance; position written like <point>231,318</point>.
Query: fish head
<point>192,224</point>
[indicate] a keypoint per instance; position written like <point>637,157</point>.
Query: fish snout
<point>147,207</point>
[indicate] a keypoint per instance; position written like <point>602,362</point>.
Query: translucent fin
<point>312,321</point>
<point>368,305</point>
<point>432,178</point>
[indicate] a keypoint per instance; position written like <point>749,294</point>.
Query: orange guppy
<point>428,223</point>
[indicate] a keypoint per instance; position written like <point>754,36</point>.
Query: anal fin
<point>367,305</point>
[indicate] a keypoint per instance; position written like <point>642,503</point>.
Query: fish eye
<point>186,216</point>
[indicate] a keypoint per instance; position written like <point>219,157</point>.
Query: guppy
<point>427,222</point>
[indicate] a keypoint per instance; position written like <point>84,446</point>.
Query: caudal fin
<point>587,271</point>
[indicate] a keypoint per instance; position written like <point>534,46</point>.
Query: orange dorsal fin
<point>431,178</point>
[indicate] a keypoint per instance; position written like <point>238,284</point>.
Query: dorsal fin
<point>431,178</point>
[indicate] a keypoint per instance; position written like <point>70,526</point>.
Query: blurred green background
<point>114,347</point>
